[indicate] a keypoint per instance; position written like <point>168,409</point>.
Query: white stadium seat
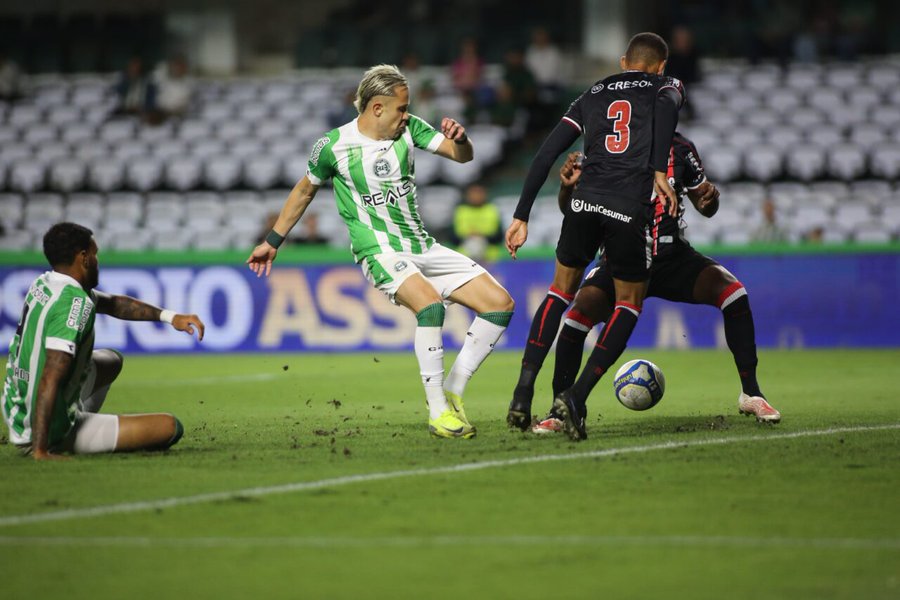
<point>763,163</point>
<point>144,173</point>
<point>805,162</point>
<point>263,171</point>
<point>884,161</point>
<point>222,172</point>
<point>722,163</point>
<point>183,173</point>
<point>846,162</point>
<point>27,175</point>
<point>106,175</point>
<point>68,175</point>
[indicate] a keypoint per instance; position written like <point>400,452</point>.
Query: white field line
<point>303,486</point>
<point>714,541</point>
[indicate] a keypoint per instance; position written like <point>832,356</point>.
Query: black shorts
<point>619,226</point>
<point>671,277</point>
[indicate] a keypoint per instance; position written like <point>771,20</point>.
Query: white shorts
<point>445,269</point>
<point>92,433</point>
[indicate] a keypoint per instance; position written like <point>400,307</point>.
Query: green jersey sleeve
<point>66,322</point>
<point>424,135</point>
<point>322,165</point>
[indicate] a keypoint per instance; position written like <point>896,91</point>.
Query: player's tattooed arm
<point>125,307</point>
<point>569,174</point>
<point>132,309</point>
<point>56,366</point>
<point>705,198</point>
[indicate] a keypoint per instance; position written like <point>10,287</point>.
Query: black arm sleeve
<point>559,140</point>
<point>665,120</point>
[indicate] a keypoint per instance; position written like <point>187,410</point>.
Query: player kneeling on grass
<point>55,381</point>
<point>370,161</point>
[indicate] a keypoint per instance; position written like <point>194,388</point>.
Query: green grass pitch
<point>313,476</point>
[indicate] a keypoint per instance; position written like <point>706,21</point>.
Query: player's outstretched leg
<point>717,286</point>
<point>494,307</point>
<point>591,306</point>
<point>99,433</point>
<point>544,327</point>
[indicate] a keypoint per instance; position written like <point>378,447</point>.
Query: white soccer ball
<point>639,384</point>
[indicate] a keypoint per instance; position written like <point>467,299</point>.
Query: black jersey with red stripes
<point>685,171</point>
<point>616,118</point>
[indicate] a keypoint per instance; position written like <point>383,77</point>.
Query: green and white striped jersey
<point>375,186</point>
<point>58,315</point>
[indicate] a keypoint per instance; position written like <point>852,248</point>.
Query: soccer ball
<point>639,384</point>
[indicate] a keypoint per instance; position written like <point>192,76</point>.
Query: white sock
<point>94,402</point>
<point>480,340</point>
<point>430,352</point>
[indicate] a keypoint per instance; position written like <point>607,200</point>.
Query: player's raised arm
<point>456,144</point>
<point>260,260</point>
<point>132,309</point>
<point>56,366</point>
<point>563,135</point>
<point>569,174</point>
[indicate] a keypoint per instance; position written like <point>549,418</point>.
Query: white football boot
<point>758,407</point>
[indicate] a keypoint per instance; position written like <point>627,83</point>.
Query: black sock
<point>569,348</point>
<point>612,342</point>
<point>741,339</point>
<point>544,326</point>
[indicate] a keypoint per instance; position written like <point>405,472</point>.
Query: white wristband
<point>166,316</point>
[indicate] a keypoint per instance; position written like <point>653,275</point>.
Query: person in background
<point>769,231</point>
<point>175,88</point>
<point>310,235</point>
<point>476,225</point>
<point>10,78</point>
<point>545,62</point>
<point>135,91</point>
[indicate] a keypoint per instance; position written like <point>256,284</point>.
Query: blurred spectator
<point>516,100</point>
<point>268,224</point>
<point>135,91</point>
<point>684,60</point>
<point>10,78</point>
<point>345,112</point>
<point>310,233</point>
<point>769,231</point>
<point>545,62</point>
<point>411,67</point>
<point>174,88</point>
<point>424,104</point>
<point>476,225</point>
<point>467,69</point>
<point>816,235</point>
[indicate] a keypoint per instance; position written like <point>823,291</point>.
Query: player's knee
<point>176,432</point>
<point>732,297</point>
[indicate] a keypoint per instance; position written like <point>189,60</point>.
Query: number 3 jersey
<point>615,116</point>
<point>58,315</point>
<point>375,186</point>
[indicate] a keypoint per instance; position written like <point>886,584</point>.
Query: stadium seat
<point>763,163</point>
<point>489,139</point>
<point>26,175</point>
<point>872,232</point>
<point>806,118</point>
<point>207,148</point>
<point>263,172</point>
<point>172,240</point>
<point>231,131</point>
<point>843,78</point>
<point>802,77</point>
<point>884,77</point>
<point>723,163</point>
<point>17,240</point>
<point>222,172</point>
<point>846,162</point>
<point>131,241</point>
<point>427,168</point>
<point>64,115</point>
<point>214,240</point>
<point>68,175</point>
<point>51,152</point>
<point>144,173</point>
<point>203,211</point>
<point>873,191</point>
<point>89,93</point>
<point>244,148</point>
<point>868,135</point>
<point>183,173</point>
<point>164,212</point>
<point>119,130</point>
<point>825,137</point>
<point>851,214</point>
<point>76,133</point>
<point>124,211</point>
<point>253,113</point>
<point>106,175</point>
<point>8,135</point>
<point>193,130</point>
<point>783,138</point>
<point>169,148</point>
<point>888,117</point>
<point>39,134</point>
<point>747,137</point>
<point>884,160</point>
<point>217,113</point>
<point>810,216</point>
<point>24,116</point>
<point>805,162</point>
<point>294,169</point>
<point>86,209</point>
<point>128,150</point>
<point>783,100</point>
<point>41,211</point>
<point>90,151</point>
<point>274,130</point>
<point>155,134</point>
<point>735,236</point>
<point>11,210</point>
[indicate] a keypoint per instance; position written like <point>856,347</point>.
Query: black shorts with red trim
<point>620,226</point>
<point>672,277</point>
